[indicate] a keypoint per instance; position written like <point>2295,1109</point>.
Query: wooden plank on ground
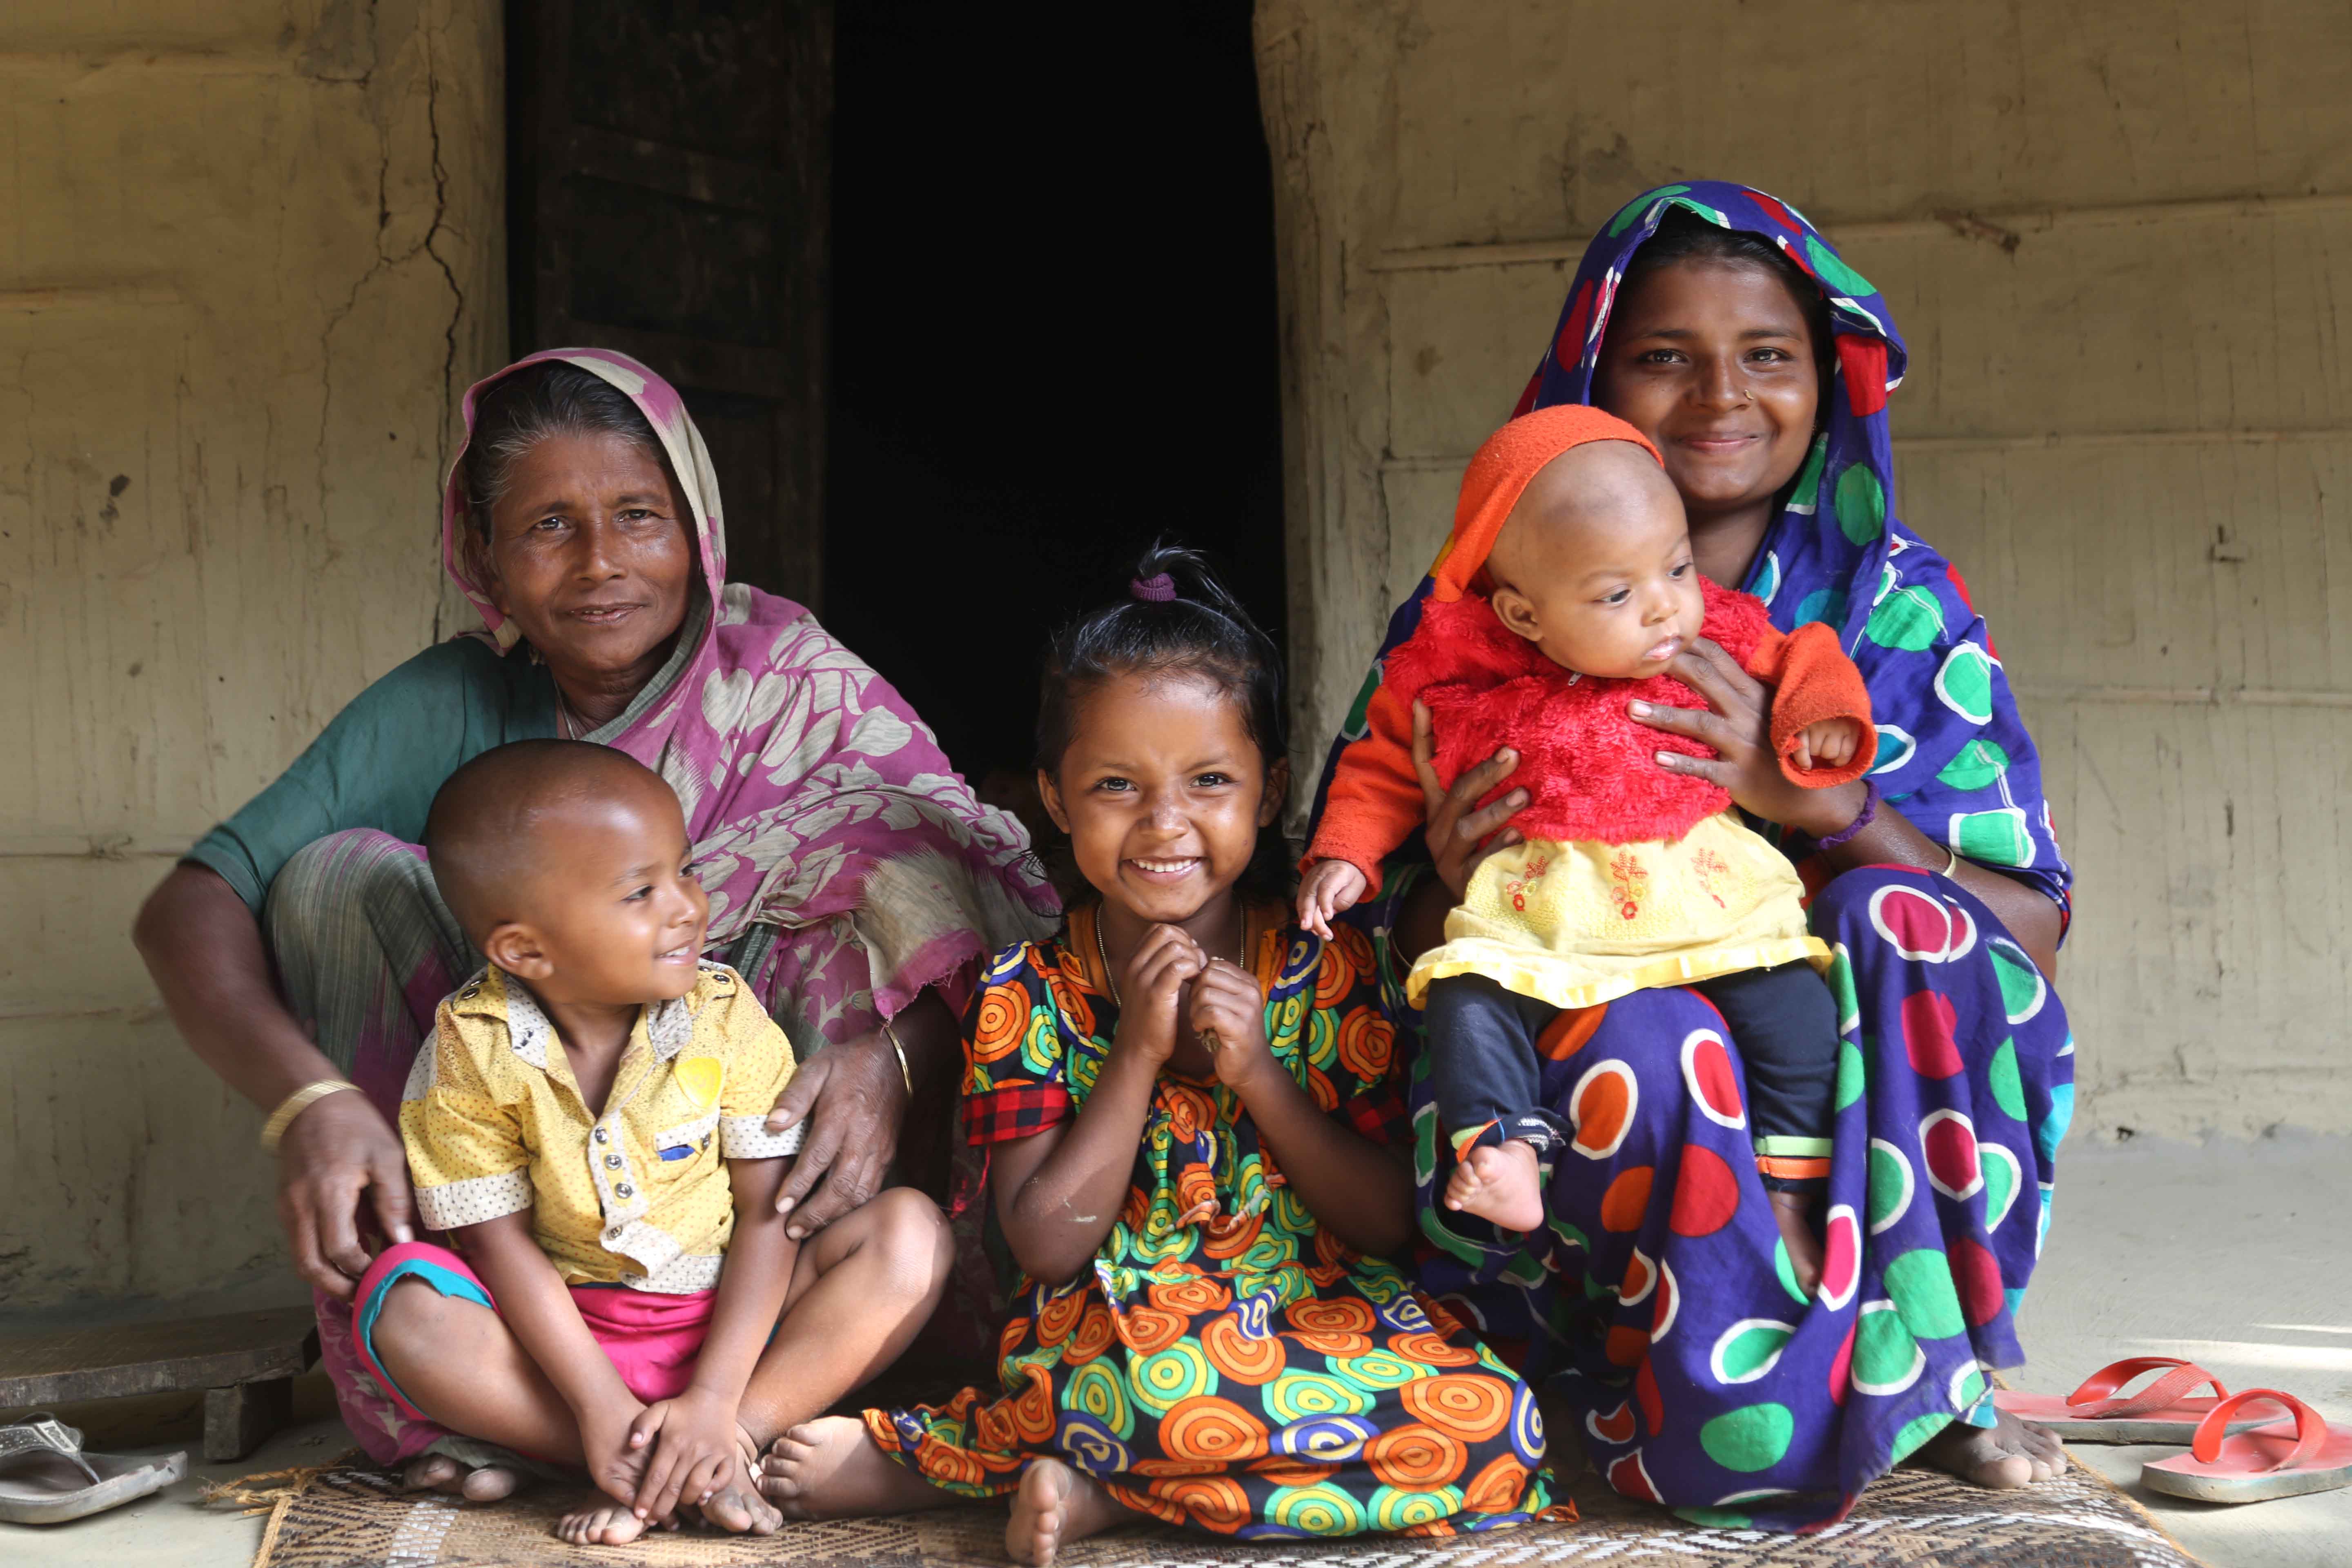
<point>106,1362</point>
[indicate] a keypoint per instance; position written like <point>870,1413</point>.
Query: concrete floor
<point>2233,1254</point>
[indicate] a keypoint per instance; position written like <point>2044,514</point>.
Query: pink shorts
<point>653,1340</point>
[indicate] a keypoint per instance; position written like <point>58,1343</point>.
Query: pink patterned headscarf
<point>818,802</point>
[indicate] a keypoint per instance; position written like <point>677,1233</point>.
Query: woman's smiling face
<point>1713,360</point>
<point>590,554</point>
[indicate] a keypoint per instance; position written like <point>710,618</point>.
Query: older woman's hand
<point>1738,722</point>
<point>854,1097</point>
<point>338,1153</point>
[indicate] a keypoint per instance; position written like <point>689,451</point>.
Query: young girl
<point>1188,1103</point>
<point>1565,591</point>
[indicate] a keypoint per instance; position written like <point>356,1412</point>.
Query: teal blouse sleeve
<point>378,763</point>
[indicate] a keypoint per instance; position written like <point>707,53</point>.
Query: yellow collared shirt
<point>637,1195</point>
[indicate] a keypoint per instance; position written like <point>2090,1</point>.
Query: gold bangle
<point>905,1073</point>
<point>294,1105</point>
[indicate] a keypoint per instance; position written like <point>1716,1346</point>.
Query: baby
<point>1566,591</point>
<point>590,1121</point>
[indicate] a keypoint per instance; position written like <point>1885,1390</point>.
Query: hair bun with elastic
<point>1158,589</point>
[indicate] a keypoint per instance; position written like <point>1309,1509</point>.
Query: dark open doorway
<point>1053,334</point>
<point>956,369</point>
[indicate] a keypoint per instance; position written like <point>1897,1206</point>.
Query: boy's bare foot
<point>1500,1183</point>
<point>1797,1236</point>
<point>440,1473</point>
<point>605,1523</point>
<point>737,1507</point>
<point>1055,1504</point>
<point>829,1468</point>
<point>2000,1457</point>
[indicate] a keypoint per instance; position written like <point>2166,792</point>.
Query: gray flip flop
<point>46,1479</point>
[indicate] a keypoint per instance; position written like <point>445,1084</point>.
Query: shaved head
<point>506,819</point>
<point>1597,485</point>
<point>1594,565</point>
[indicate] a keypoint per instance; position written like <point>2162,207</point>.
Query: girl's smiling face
<point>1163,793</point>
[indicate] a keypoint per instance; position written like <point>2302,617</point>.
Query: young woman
<point>1722,327</point>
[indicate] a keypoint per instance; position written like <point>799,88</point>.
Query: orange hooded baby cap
<point>1501,472</point>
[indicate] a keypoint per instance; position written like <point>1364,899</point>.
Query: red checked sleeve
<point>1375,801</point>
<point>1013,1081</point>
<point>1813,679</point>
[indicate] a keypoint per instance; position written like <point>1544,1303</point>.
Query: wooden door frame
<point>783,552</point>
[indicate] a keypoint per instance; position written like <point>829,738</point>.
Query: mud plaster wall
<point>2119,239</point>
<point>251,255</point>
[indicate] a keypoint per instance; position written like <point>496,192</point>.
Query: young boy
<point>591,1124</point>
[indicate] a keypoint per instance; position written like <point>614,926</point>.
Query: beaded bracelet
<point>1862,819</point>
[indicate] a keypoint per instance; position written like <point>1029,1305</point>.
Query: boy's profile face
<point>1594,567</point>
<point>609,911</point>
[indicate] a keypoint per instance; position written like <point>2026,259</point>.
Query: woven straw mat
<point>1912,1519</point>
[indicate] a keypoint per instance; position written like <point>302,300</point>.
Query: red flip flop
<point>2163,1412</point>
<point>2254,1466</point>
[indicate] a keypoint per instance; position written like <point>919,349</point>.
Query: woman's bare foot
<point>1999,1458</point>
<point>440,1473</point>
<point>1500,1183</point>
<point>605,1523</point>
<point>1797,1236</point>
<point>1056,1504</point>
<point>829,1468</point>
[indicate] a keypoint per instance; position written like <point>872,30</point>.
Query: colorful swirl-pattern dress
<point>1227,1364</point>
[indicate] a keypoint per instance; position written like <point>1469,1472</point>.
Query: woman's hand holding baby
<point>1328,887</point>
<point>1738,722</point>
<point>1461,832</point>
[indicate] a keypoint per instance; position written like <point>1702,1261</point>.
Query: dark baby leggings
<point>1482,1043</point>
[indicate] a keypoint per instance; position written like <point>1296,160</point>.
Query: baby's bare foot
<point>1797,1235</point>
<point>1056,1504</point>
<point>602,1524</point>
<point>1500,1183</point>
<point>829,1468</point>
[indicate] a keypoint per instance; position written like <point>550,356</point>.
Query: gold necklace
<point>1103,953</point>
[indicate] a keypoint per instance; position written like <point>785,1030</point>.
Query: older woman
<point>853,878</point>
<point>1721,325</point>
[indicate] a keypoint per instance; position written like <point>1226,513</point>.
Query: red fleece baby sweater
<point>1589,767</point>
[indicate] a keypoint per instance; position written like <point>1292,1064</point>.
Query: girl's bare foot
<point>1999,1458</point>
<point>1500,1183</point>
<point>1797,1236</point>
<point>829,1468</point>
<point>440,1473</point>
<point>1056,1504</point>
<point>604,1523</point>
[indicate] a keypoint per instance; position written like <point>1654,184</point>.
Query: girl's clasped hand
<point>1178,987</point>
